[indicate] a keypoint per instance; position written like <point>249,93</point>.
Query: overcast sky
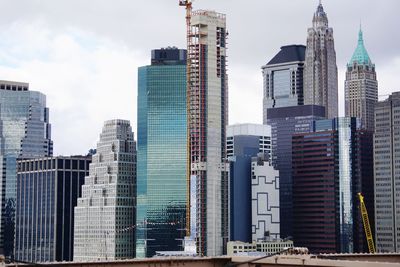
<point>84,54</point>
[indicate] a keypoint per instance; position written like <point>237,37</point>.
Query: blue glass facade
<point>25,133</point>
<point>47,192</point>
<point>161,156</point>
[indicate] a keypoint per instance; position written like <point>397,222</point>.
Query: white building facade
<point>105,214</point>
<point>265,200</point>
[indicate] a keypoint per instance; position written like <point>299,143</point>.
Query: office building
<point>320,70</point>
<point>361,86</point>
<point>265,223</point>
<point>284,123</point>
<point>162,153</point>
<point>283,79</point>
<point>244,141</point>
<point>105,214</point>
<point>47,192</point>
<point>208,100</point>
<point>386,168</point>
<point>25,133</point>
<point>331,164</point>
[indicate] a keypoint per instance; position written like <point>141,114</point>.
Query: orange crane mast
<point>188,5</point>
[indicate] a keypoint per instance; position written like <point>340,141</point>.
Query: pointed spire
<point>360,37</point>
<point>360,54</point>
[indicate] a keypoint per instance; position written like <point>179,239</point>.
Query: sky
<point>84,55</point>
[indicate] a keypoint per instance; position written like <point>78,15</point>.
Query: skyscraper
<point>331,164</point>
<point>284,123</point>
<point>386,169</point>
<point>320,70</point>
<point>361,86</point>
<point>208,118</point>
<point>283,79</point>
<point>47,192</point>
<point>105,214</point>
<point>244,141</point>
<point>162,153</point>
<point>25,133</point>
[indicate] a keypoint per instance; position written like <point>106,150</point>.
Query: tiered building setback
<point>105,214</point>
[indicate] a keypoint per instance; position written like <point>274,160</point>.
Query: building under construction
<point>207,120</point>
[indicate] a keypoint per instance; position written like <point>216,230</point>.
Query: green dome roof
<point>360,55</point>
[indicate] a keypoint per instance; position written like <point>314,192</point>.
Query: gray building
<point>283,79</point>
<point>244,141</point>
<point>361,86</point>
<point>320,70</point>
<point>105,214</point>
<point>47,192</point>
<point>284,123</point>
<point>386,168</point>
<point>25,132</point>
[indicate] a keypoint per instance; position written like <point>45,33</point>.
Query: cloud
<point>87,79</point>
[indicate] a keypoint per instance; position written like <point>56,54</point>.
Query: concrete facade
<point>386,168</point>
<point>208,120</point>
<point>320,71</point>
<point>105,214</point>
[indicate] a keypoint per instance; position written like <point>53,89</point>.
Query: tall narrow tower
<point>320,73</point>
<point>361,86</point>
<point>208,117</point>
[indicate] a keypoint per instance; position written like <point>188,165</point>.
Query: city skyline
<point>82,60</point>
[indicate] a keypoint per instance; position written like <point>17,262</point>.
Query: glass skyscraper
<point>285,122</point>
<point>24,133</point>
<point>331,164</point>
<point>47,192</point>
<point>162,153</point>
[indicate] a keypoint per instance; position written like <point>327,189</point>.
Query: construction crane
<point>188,5</point>
<point>367,227</point>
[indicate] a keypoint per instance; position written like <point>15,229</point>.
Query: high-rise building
<point>162,153</point>
<point>265,223</point>
<point>105,214</point>
<point>331,164</point>
<point>320,70</point>
<point>25,132</point>
<point>284,123</point>
<point>208,100</point>
<point>361,86</point>
<point>47,192</point>
<point>283,79</point>
<point>244,141</point>
<point>386,169</point>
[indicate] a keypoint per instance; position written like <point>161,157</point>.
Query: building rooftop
<point>289,53</point>
<point>360,55</point>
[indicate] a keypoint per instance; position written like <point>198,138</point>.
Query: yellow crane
<point>367,227</point>
<point>188,5</point>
